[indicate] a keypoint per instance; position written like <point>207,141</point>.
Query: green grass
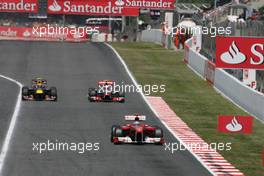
<point>195,101</point>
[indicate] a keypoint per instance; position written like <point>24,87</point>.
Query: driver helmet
<point>137,122</point>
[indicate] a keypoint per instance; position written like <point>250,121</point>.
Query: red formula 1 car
<point>105,92</point>
<point>136,132</point>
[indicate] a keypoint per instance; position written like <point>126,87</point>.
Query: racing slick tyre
<point>113,132</point>
<point>159,134</point>
<point>118,133</point>
<point>25,92</point>
<point>53,93</point>
<point>121,94</point>
<point>92,93</point>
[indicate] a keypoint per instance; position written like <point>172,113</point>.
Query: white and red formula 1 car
<point>105,92</point>
<point>136,132</point>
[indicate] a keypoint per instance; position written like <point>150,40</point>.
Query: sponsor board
<point>240,52</point>
<point>26,6</point>
<point>147,4</point>
<point>186,53</point>
<point>210,71</point>
<point>235,124</point>
<point>90,7</point>
<point>249,78</point>
<point>27,33</point>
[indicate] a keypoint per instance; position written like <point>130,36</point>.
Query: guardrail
<point>245,97</point>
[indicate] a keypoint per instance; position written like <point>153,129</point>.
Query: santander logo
<point>77,35</point>
<point>234,126</point>
<point>240,52</point>
<point>26,33</point>
<point>55,7</point>
<point>233,56</point>
<point>119,3</point>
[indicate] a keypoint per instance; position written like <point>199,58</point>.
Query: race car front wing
<point>46,98</point>
<point>148,140</point>
<point>113,99</point>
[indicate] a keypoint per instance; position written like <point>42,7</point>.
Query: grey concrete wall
<point>249,99</point>
<point>153,35</point>
<point>197,62</point>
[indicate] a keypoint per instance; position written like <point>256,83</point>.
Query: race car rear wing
<point>135,117</point>
<point>34,81</point>
<point>104,82</point>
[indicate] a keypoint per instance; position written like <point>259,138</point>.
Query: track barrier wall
<point>245,97</point>
<point>153,35</point>
<point>249,99</point>
<point>197,64</point>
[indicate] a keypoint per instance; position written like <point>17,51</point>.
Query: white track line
<point>11,128</point>
<point>153,110</point>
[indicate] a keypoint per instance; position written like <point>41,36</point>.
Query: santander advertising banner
<point>240,52</point>
<point>27,33</point>
<point>235,124</point>
<point>146,4</point>
<point>27,6</point>
<point>90,7</point>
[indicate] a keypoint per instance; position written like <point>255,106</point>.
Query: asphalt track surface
<point>73,68</point>
<point>8,96</point>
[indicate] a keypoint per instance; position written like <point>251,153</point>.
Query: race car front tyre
<point>118,133</point>
<point>121,94</point>
<point>113,131</point>
<point>158,133</point>
<point>53,93</point>
<point>25,92</point>
<point>92,92</point>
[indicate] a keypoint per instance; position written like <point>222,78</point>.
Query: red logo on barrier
<point>28,6</point>
<point>210,71</point>
<point>239,52</point>
<point>235,124</point>
<point>90,7</point>
<point>263,157</point>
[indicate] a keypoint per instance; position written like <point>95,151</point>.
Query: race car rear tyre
<point>113,131</point>
<point>158,133</point>
<point>53,93</point>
